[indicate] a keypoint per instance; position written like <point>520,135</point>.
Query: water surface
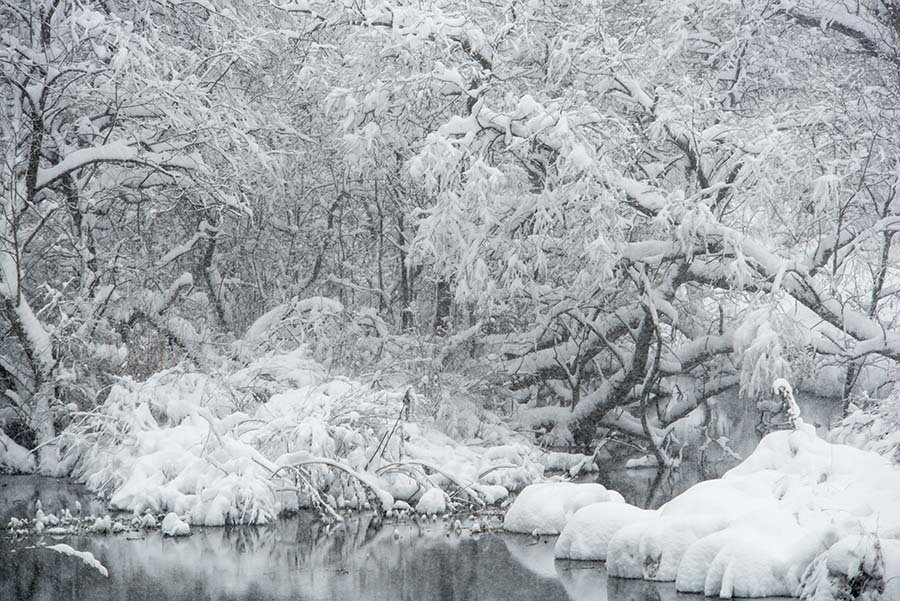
<point>302,559</point>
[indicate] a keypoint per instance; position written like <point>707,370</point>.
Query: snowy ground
<point>799,517</point>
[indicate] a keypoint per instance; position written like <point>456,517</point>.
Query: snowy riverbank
<point>799,517</point>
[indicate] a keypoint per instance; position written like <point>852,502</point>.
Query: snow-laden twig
<point>473,494</point>
<point>384,498</point>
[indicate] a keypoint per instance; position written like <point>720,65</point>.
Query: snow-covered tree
<point>130,140</point>
<point>620,187</point>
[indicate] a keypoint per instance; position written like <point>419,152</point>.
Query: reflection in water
<point>19,496</point>
<point>293,559</point>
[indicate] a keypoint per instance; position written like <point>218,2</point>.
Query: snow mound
<point>278,435</point>
<point>798,516</point>
<point>172,525</point>
<point>432,502</point>
<point>587,533</point>
<point>546,507</point>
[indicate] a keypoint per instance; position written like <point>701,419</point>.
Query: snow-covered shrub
<point>279,434</point>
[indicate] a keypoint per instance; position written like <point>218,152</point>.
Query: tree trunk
<point>406,316</point>
<point>38,349</point>
<point>443,301</point>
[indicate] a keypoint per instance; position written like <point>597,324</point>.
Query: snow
<point>546,507</point>
<point>869,564</point>
<point>566,462</point>
<point>278,434</point>
<point>587,533</point>
<point>799,514</point>
<point>113,151</point>
<point>432,502</point>
<point>85,556</point>
<point>102,525</point>
<point>172,525</point>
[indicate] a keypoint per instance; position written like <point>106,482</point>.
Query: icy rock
<point>546,507</point>
<point>664,542</point>
<point>214,513</point>
<point>172,525</point>
<point>432,502</point>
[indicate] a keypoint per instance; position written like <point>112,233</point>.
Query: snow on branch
<point>860,25</point>
<point>113,152</point>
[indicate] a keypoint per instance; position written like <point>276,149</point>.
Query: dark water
<point>300,559</point>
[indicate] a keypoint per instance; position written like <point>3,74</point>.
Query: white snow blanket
<point>546,507</point>
<point>800,515</point>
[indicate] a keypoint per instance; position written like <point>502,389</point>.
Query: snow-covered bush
<point>278,435</point>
